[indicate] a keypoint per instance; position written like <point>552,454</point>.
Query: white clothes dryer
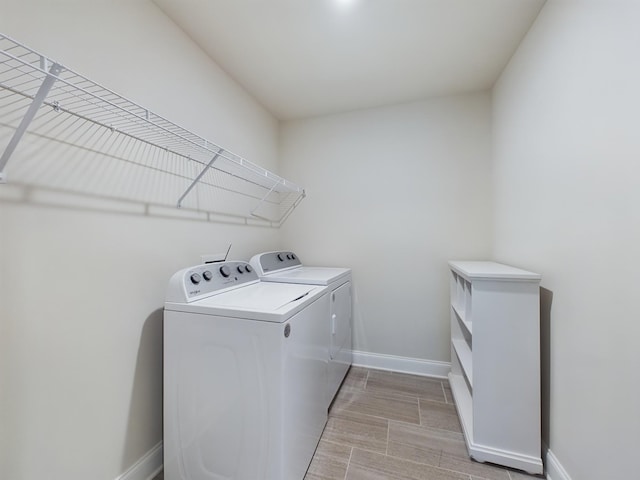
<point>244,375</point>
<point>286,267</point>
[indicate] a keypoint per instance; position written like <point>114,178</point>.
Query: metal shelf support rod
<point>264,198</point>
<point>200,175</point>
<point>38,100</point>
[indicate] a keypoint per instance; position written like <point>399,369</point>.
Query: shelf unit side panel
<point>506,355</point>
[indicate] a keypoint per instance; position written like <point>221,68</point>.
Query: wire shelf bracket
<point>38,100</point>
<point>197,179</point>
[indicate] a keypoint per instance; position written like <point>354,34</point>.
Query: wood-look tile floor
<point>394,426</point>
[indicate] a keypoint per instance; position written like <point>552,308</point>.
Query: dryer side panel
<point>304,396</point>
<point>341,350</point>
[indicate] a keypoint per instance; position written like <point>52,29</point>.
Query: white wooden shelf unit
<point>62,127</point>
<point>495,362</point>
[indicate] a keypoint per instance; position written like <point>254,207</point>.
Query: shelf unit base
<point>482,453</point>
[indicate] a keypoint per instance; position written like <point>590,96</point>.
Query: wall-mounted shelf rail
<point>63,131</point>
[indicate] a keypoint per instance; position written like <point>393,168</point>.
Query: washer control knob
<point>293,257</point>
<point>195,278</point>
<point>207,275</point>
<point>248,268</point>
<point>225,271</point>
<point>289,256</point>
<point>240,269</point>
<point>281,257</point>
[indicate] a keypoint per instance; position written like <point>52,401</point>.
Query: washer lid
<point>273,302</point>
<point>309,275</point>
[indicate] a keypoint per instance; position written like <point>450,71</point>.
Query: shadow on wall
<point>51,197</point>
<point>146,394</point>
<point>546,299</point>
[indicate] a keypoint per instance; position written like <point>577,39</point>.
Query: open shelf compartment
<point>75,127</point>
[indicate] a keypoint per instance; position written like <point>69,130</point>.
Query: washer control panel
<point>272,261</point>
<point>203,280</point>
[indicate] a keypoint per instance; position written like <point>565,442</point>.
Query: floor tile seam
<point>333,442</point>
<point>427,427</point>
<point>432,385</point>
<point>392,395</point>
<point>418,464</point>
<point>437,452</point>
<point>413,388</point>
<point>378,417</point>
<point>388,426</point>
<point>346,471</point>
<point>365,449</point>
<point>434,400</point>
<point>359,447</point>
<point>448,431</point>
<point>436,449</point>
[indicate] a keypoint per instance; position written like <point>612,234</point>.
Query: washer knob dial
<point>248,268</point>
<point>207,275</point>
<point>240,269</point>
<point>195,278</point>
<point>225,271</point>
<point>281,257</point>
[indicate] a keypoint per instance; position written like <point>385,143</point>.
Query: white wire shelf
<point>66,132</point>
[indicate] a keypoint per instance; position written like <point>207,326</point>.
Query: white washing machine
<point>285,267</point>
<point>245,372</point>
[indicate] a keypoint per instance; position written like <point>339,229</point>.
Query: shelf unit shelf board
<point>467,324</point>
<point>464,405</point>
<point>463,352</point>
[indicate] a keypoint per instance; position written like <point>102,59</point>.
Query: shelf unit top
<point>30,81</point>
<point>487,270</point>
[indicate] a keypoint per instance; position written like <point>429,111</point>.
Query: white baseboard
<point>147,467</point>
<point>555,470</point>
<point>415,366</point>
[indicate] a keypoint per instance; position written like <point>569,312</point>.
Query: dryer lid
<point>261,296</point>
<point>309,275</point>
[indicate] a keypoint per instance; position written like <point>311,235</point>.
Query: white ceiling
<point>302,58</point>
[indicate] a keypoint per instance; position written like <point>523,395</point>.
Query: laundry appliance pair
<point>253,355</point>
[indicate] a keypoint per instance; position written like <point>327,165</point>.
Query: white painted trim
<point>415,366</point>
<point>147,467</point>
<point>528,463</point>
<point>555,470</point>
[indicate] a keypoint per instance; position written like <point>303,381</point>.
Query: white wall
<point>81,290</point>
<point>394,193</point>
<point>567,145</point>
